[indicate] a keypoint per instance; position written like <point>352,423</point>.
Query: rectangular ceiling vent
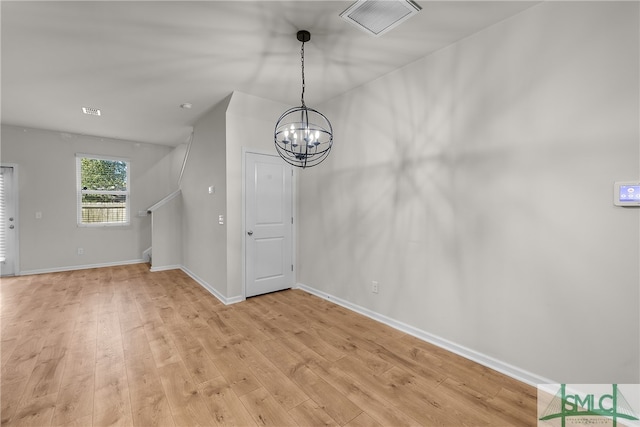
<point>91,111</point>
<point>376,17</point>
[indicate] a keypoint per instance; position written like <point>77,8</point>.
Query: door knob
<point>250,233</point>
<point>12,227</point>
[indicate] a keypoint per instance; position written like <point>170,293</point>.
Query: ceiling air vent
<point>91,111</point>
<point>376,17</point>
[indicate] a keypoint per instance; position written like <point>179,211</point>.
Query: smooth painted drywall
<point>47,184</point>
<point>475,185</point>
<point>204,240</point>
<point>166,235</point>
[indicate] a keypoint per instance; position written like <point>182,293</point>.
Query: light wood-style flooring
<point>123,346</point>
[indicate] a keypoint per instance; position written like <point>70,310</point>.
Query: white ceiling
<point>138,61</point>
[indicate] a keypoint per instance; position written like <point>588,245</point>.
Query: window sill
<point>105,224</point>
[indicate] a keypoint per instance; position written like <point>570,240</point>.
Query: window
<point>103,190</point>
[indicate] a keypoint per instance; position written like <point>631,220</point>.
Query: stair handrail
<point>164,201</point>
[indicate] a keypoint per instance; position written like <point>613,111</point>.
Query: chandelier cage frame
<point>303,136</point>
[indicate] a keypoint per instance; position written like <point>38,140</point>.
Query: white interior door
<point>268,224</point>
<point>8,222</point>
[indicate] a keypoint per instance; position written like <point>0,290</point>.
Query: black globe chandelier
<point>303,136</point>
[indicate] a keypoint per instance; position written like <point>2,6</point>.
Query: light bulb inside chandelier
<point>303,136</point>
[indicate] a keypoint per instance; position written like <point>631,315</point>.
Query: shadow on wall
<point>474,184</point>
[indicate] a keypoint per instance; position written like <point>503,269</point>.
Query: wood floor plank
<point>10,401</point>
<point>82,356</point>
<point>146,308</point>
<point>405,354</point>
<point>286,318</point>
<point>425,408</point>
<point>6,349</point>
<point>309,413</point>
<point>218,325</point>
<point>108,325</point>
<point>235,371</point>
<point>12,326</point>
<point>129,320</point>
<point>241,323</point>
<point>363,420</point>
<point>134,342</point>
<point>324,349</point>
<point>522,399</point>
<point>413,391</point>
<point>111,419</point>
<point>191,316</point>
<point>85,329</point>
<point>224,405</point>
<point>75,398</point>
<point>200,366</point>
<point>474,375</point>
<point>346,346</point>
<point>379,409</point>
<point>252,317</point>
<point>37,412</point>
<point>112,403</point>
<point>507,406</point>
<point>110,351</point>
<point>336,404</point>
<point>80,422</point>
<point>45,378</point>
<point>332,314</point>
<point>121,346</point>
<point>265,410</point>
<point>23,359</point>
<point>283,390</point>
<point>187,407</point>
<point>169,315</point>
<point>149,405</point>
<point>125,301</point>
<point>161,345</point>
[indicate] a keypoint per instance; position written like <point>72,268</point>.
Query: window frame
<point>80,192</point>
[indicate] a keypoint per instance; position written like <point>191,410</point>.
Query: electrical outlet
<point>374,287</point>
<point>80,251</point>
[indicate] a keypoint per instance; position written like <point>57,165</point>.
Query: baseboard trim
<point>488,361</point>
<point>165,268</point>
<point>79,267</point>
<point>211,289</point>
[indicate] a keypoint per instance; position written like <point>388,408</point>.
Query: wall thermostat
<point>626,193</point>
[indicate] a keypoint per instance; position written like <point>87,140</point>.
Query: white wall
<point>204,240</point>
<point>166,234</point>
<point>47,184</point>
<point>476,186</point>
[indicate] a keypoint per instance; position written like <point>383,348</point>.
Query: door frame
<point>294,212</point>
<point>16,212</point>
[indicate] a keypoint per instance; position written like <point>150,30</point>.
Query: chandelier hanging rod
<point>303,36</point>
